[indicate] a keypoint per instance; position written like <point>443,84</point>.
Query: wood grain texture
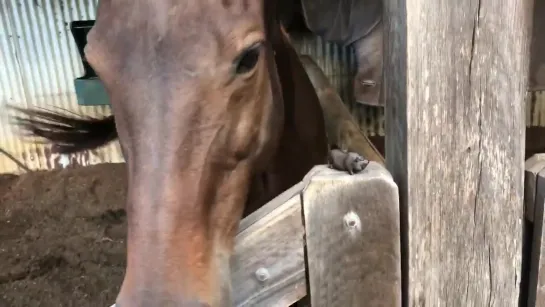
<point>455,77</point>
<point>352,238</point>
<point>536,284</point>
<point>272,239</point>
<point>341,127</point>
<point>532,167</point>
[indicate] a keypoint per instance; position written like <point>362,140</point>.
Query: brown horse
<point>214,113</point>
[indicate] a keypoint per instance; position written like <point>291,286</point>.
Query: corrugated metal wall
<point>38,63</point>
<point>339,65</point>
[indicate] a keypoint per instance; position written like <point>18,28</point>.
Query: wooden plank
<point>532,167</point>
<point>268,267</point>
<point>341,127</point>
<point>352,238</point>
<point>536,284</point>
<point>270,206</point>
<point>455,77</point>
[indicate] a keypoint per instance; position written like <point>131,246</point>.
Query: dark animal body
<point>215,116</point>
<point>346,161</point>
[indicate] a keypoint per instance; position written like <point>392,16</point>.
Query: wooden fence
<point>444,223</point>
<point>341,230</point>
<point>455,83</point>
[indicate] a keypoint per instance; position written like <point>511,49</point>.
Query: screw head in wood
<point>262,274</point>
<point>352,223</point>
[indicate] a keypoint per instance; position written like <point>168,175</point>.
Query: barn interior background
<point>39,61</point>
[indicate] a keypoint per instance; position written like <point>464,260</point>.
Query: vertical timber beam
<point>455,80</point>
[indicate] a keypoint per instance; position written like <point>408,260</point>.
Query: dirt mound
<point>62,237</point>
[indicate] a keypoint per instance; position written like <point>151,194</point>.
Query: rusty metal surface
<point>39,62</point>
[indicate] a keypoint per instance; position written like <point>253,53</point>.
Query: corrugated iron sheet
<point>339,65</point>
<point>39,63</point>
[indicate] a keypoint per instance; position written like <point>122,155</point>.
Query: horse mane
<point>68,134</point>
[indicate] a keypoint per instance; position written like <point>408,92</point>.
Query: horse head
<point>194,91</point>
<point>215,114</point>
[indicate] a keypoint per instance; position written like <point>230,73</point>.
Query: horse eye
<point>247,60</point>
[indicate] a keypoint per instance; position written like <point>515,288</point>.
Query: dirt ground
<point>62,237</point>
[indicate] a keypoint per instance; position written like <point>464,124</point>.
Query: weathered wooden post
<point>352,238</point>
<point>347,228</point>
<point>534,198</point>
<point>455,81</point>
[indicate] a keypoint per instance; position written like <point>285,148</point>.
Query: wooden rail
<point>346,227</point>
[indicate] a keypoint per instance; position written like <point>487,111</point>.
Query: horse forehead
<point>188,35</point>
<point>183,22</point>
<point>170,11</point>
